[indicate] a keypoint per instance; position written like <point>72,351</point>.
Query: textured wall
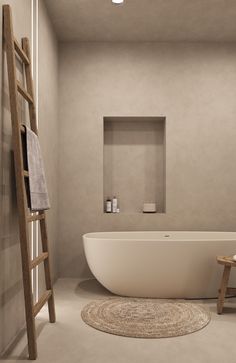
<point>48,122</point>
<point>11,290</point>
<point>194,86</point>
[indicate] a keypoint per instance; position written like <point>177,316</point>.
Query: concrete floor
<point>71,340</point>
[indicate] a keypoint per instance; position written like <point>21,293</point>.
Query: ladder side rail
<point>42,217</point>
<point>47,270</point>
<point>29,86</point>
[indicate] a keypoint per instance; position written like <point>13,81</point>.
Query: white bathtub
<point>159,264</point>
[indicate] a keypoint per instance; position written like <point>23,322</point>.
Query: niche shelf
<point>134,162</point>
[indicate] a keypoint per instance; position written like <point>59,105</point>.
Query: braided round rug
<point>145,318</point>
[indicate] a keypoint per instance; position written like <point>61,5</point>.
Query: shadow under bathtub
<point>91,288</point>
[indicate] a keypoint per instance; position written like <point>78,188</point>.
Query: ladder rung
<point>36,217</point>
<point>36,261</point>
<point>42,301</point>
<point>21,53</point>
<point>24,93</point>
<point>26,173</point>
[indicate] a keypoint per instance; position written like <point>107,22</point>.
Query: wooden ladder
<point>13,48</point>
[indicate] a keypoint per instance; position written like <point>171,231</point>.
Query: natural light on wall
<point>34,56</point>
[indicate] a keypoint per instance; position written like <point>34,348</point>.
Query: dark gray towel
<point>38,194</point>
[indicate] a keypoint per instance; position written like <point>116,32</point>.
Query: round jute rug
<point>145,318</point>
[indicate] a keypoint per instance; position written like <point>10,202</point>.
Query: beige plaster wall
<point>194,86</point>
<point>12,317</point>
<point>11,290</point>
<point>48,122</point>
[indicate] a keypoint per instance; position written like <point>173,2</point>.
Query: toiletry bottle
<point>114,204</point>
<point>108,205</point>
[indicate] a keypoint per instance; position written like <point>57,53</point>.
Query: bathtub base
<point>149,266</point>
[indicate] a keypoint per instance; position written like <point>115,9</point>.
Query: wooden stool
<point>228,262</point>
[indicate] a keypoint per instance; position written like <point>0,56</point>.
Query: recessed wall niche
<point>134,162</point>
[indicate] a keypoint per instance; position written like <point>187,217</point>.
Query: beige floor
<point>70,340</point>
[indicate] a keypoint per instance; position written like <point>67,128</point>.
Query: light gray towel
<point>38,194</point>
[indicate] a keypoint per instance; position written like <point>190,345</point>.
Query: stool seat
<point>226,260</point>
<point>228,263</point>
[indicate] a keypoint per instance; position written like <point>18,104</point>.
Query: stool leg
<point>223,288</point>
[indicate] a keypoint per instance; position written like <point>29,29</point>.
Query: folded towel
<point>38,194</point>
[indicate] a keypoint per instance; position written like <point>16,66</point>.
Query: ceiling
<point>144,20</point>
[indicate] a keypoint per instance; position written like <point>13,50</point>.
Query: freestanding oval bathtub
<point>159,264</point>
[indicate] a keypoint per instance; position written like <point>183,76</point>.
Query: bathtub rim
<point>222,236</point>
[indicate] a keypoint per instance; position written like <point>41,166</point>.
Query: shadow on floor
<point>228,310</point>
<point>23,355</point>
<point>91,288</point>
